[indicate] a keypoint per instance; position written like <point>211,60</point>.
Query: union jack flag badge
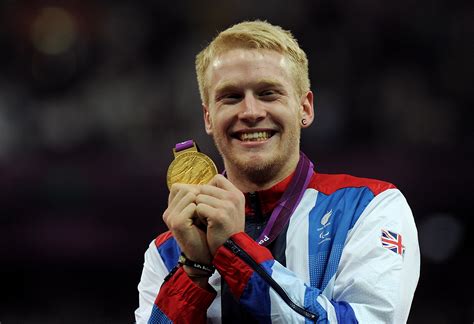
<point>393,242</point>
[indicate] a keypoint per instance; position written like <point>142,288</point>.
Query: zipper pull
<point>232,246</point>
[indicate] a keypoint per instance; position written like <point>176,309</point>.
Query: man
<point>289,245</point>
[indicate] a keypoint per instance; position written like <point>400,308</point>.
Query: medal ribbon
<point>289,200</point>
<point>184,145</point>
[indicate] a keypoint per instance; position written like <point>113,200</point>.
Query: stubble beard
<point>264,170</point>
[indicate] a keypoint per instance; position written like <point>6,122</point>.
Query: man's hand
<point>181,219</point>
<point>221,206</point>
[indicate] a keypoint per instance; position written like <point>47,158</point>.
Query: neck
<point>246,182</point>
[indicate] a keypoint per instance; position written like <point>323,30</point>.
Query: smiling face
<point>254,115</point>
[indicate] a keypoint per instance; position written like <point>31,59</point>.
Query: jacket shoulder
<point>329,183</point>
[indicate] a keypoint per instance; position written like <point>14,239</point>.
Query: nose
<point>252,110</point>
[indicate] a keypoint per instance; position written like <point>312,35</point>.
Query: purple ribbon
<point>289,200</point>
<point>183,145</point>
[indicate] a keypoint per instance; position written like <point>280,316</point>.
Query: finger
<point>179,188</point>
<point>206,212</point>
<point>174,190</point>
<point>230,193</point>
<point>222,182</point>
<point>179,203</point>
<point>186,215</point>
<point>213,191</point>
<point>210,200</point>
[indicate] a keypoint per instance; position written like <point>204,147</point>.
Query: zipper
<point>255,223</point>
<point>255,205</point>
<point>231,245</point>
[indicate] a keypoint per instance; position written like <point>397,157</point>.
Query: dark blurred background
<point>94,94</point>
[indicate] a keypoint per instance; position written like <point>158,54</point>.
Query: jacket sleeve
<point>169,297</point>
<point>372,284</point>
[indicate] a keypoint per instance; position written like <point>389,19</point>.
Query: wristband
<point>209,269</point>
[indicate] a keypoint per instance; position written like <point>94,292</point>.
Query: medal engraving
<point>191,167</point>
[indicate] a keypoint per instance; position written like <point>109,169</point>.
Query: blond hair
<point>255,35</point>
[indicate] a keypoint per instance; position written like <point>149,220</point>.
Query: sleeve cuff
<point>256,251</point>
<point>180,294</point>
<point>233,269</point>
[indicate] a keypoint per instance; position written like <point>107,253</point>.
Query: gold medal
<point>190,166</point>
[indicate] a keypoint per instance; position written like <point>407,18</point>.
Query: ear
<point>207,119</point>
<point>307,109</point>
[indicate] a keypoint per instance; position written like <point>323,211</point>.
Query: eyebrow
<point>226,86</point>
<point>261,83</point>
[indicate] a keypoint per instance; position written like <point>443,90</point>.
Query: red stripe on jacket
<point>162,238</point>
<point>329,183</point>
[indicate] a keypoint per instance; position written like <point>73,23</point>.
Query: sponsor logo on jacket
<point>324,234</point>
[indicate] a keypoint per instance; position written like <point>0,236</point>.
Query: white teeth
<point>256,136</point>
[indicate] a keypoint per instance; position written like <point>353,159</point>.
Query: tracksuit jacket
<point>349,254</point>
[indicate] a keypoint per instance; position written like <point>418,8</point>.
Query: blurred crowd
<point>94,94</point>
